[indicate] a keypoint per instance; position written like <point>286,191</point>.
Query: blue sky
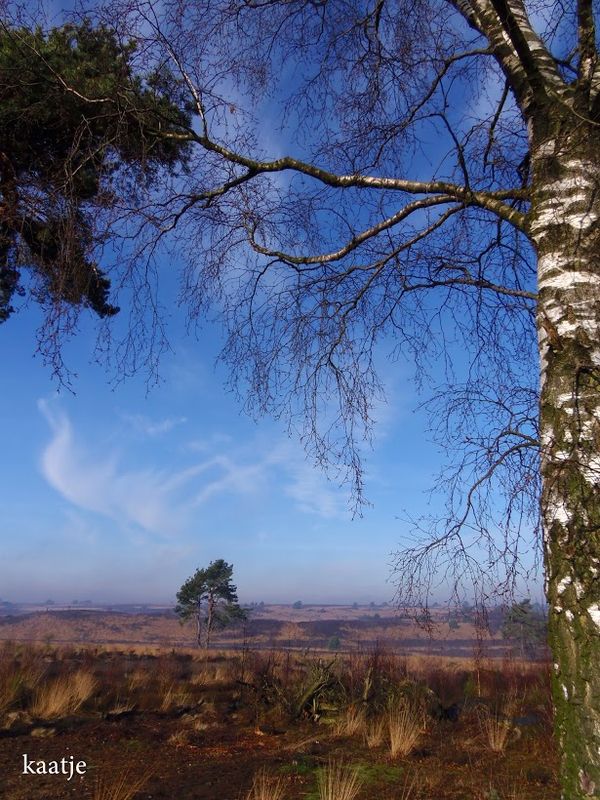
<point>112,493</point>
<point>117,494</point>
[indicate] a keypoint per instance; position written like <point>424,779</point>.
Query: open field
<point>342,628</point>
<point>273,725</point>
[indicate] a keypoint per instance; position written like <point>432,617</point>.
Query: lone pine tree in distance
<point>210,598</point>
<point>442,186</point>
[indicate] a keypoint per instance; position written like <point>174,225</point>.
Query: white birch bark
<point>566,231</point>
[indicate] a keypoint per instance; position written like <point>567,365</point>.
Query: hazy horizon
<point>102,603</point>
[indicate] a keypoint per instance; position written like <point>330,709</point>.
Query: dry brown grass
<point>352,722</point>
<point>122,786</point>
<point>496,723</point>
<point>121,707</point>
<point>14,685</point>
<point>266,787</point>
<point>405,726</point>
<point>199,678</point>
<point>174,696</point>
<point>83,686</point>
<point>138,679</point>
<point>338,782</point>
<point>63,695</point>
<point>180,737</point>
<point>223,673</point>
<point>213,674</point>
<point>496,729</point>
<point>17,680</point>
<point>376,732</point>
<point>463,760</point>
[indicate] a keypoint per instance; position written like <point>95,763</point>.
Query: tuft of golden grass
<point>266,787</point>
<point>352,722</point>
<point>496,724</point>
<point>180,737</point>
<point>222,673</point>
<point>496,728</point>
<point>199,678</point>
<point>138,679</point>
<point>338,782</point>
<point>212,674</point>
<point>15,683</point>
<point>83,686</point>
<point>405,726</point>
<point>121,707</point>
<point>173,697</point>
<point>122,786</point>
<point>20,673</point>
<point>375,734</point>
<point>64,695</point>
<point>54,699</point>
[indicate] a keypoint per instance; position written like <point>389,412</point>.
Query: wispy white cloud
<point>312,495</point>
<point>149,427</point>
<point>95,481</point>
<point>163,501</point>
<point>306,484</point>
<point>156,500</point>
<point>235,478</point>
<point>210,443</point>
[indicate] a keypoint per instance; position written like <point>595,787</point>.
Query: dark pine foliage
<point>76,121</point>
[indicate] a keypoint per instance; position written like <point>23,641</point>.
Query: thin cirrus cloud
<point>163,500</point>
<point>145,498</point>
<point>306,484</point>
<point>156,500</point>
<point>148,427</point>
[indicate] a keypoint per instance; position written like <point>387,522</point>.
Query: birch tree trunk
<point>565,213</point>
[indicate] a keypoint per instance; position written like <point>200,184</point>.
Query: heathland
<point>309,703</point>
